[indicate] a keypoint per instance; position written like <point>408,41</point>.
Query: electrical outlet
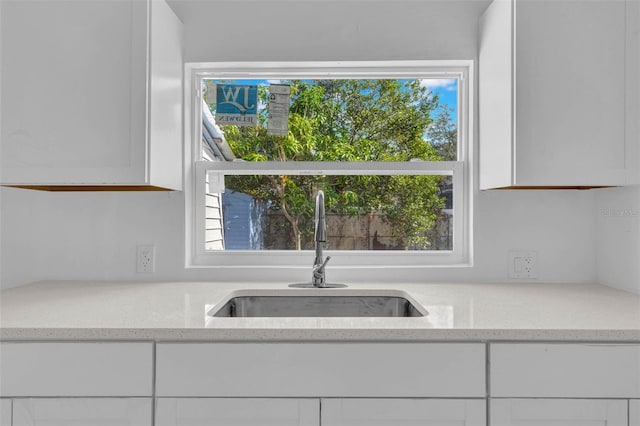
<point>523,265</point>
<point>145,259</point>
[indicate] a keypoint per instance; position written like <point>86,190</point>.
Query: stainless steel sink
<point>302,304</point>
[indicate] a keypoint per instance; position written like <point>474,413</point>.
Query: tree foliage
<point>443,134</point>
<point>351,120</point>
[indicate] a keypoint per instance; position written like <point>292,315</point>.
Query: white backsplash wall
<point>618,237</point>
<point>93,236</point>
<point>90,235</point>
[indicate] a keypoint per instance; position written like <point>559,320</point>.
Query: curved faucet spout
<point>320,222</point>
<point>320,236</point>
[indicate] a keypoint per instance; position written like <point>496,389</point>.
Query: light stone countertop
<point>174,311</point>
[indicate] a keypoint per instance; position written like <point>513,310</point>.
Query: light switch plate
<point>523,265</point>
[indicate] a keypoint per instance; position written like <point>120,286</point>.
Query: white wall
<point>317,30</point>
<point>89,236</point>
<point>93,236</point>
<point>618,237</point>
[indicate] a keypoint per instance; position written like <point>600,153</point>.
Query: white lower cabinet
<point>5,412</point>
<point>634,412</point>
<point>557,384</point>
<point>406,412</point>
<point>82,411</point>
<point>238,411</point>
<point>558,412</point>
<point>308,384</point>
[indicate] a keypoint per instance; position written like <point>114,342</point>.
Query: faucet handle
<point>318,268</point>
<point>325,262</point>
<point>318,273</point>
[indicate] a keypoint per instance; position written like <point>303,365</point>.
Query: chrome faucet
<point>320,236</point>
<point>320,230</point>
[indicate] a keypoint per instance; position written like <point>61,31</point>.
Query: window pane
<point>363,212</point>
<point>330,120</point>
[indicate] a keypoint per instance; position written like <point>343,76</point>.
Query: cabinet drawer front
<point>558,412</point>
<point>76,369</point>
<point>237,412</point>
<point>5,412</point>
<point>405,412</point>
<point>565,370</point>
<point>634,412</point>
<point>82,411</point>
<point>320,369</point>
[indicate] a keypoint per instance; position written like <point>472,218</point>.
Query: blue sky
<point>447,91</point>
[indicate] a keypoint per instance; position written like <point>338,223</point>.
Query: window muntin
<point>453,192</point>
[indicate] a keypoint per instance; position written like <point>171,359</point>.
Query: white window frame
<point>461,171</point>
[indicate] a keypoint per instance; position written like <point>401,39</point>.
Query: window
<point>384,141</point>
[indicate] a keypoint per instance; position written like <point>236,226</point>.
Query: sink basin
<point>318,303</point>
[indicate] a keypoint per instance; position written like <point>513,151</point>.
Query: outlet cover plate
<point>523,265</point>
<point>146,259</point>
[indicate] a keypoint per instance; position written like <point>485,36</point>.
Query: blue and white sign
<point>236,104</point>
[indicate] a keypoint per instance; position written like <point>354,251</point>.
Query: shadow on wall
<point>618,237</point>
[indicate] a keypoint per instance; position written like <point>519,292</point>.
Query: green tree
<point>443,134</point>
<point>348,120</point>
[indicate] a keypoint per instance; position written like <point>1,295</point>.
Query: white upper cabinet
<point>558,100</point>
<point>91,94</point>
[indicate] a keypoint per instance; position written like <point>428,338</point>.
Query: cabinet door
<point>73,92</point>
<point>546,116</point>
<point>634,412</point>
<point>237,412</point>
<point>82,411</point>
<point>570,126</point>
<point>558,412</point>
<point>5,412</point>
<point>407,412</point>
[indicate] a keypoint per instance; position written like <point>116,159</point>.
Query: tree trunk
<point>294,225</point>
<point>280,188</point>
